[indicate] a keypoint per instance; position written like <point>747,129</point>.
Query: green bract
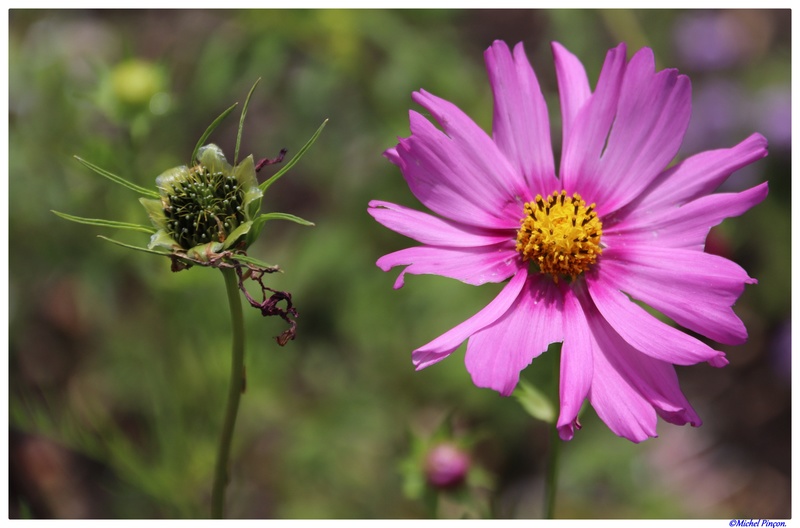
<point>207,208</point>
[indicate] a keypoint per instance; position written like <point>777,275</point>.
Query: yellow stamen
<point>560,234</point>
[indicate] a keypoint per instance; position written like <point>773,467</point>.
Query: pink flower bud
<point>446,466</point>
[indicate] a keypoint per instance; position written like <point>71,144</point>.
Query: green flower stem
<point>551,483</point>
<point>235,390</point>
<point>552,475</point>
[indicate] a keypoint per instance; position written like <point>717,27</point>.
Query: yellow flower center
<point>560,234</point>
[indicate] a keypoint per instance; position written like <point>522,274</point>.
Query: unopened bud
<point>446,465</point>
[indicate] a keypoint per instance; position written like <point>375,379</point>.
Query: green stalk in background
<point>235,390</point>
<point>207,213</point>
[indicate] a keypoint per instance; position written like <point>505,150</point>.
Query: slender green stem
<point>551,484</point>
<point>235,390</point>
<point>431,500</point>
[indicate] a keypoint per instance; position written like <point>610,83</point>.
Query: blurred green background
<point>118,368</point>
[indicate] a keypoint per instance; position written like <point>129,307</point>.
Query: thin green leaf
<point>255,262</point>
<point>258,223</point>
<point>282,216</point>
<point>118,179</point>
<point>242,258</point>
<point>209,130</point>
<point>137,248</point>
<point>535,402</point>
<point>241,122</point>
<point>295,159</point>
<point>106,223</point>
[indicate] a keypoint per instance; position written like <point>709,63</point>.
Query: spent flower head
<point>617,224</point>
<point>206,208</point>
<point>208,213</point>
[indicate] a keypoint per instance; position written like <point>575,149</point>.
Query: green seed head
<point>204,207</point>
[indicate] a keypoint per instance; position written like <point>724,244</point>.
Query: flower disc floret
<point>561,235</point>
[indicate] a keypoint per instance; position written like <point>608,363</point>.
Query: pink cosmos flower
<point>616,224</point>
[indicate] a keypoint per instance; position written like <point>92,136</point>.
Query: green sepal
<point>535,402</point>
<point>245,174</point>
<point>210,130</point>
<point>105,223</point>
<point>237,234</point>
<point>165,180</point>
<point>204,252</point>
<point>212,158</point>
<point>295,159</point>
<point>155,210</point>
<point>117,179</point>
<point>163,239</point>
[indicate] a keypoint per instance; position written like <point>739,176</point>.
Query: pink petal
<point>445,344</point>
<point>626,412</point>
<point>699,175</point>
<point>644,332</point>
<point>480,152</point>
<point>628,386</point>
<point>576,365</point>
<point>651,119</point>
<point>694,289</point>
<point>583,147</point>
<point>573,86</point>
<point>475,265</point>
<point>521,127</point>
<point>464,178</point>
<point>686,226</point>
<point>497,354</point>
<point>432,230</point>
<point>392,155</point>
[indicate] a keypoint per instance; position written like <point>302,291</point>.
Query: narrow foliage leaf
<point>535,402</point>
<point>295,159</point>
<point>282,216</point>
<point>118,179</point>
<point>106,223</point>
<point>241,122</point>
<point>255,262</point>
<point>213,126</point>
<point>137,248</point>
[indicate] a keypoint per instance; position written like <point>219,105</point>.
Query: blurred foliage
<point>118,367</point>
